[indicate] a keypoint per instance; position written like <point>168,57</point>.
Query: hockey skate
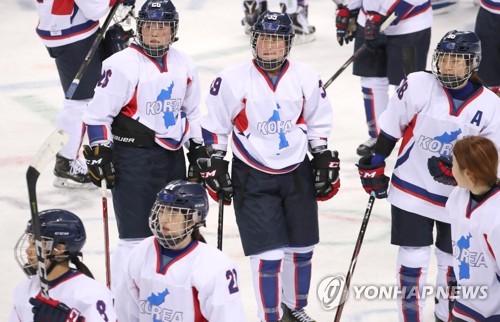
<point>290,315</point>
<point>366,148</point>
<point>304,32</point>
<point>71,174</point>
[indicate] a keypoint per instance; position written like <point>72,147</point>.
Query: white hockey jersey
<point>271,123</point>
<point>421,113</point>
<point>491,5</point>
<point>199,284</point>
<point>418,18</point>
<point>76,290</point>
<point>163,99</point>
<point>64,22</point>
<point>475,234</point>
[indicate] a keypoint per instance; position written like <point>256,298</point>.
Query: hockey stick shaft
<point>220,223</point>
<point>354,258</point>
<point>358,52</point>
<point>46,152</point>
<point>93,49</point>
<point>106,233</point>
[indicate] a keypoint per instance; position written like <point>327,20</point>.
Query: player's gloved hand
<point>440,170</point>
<point>326,166</point>
<point>100,164</point>
<point>214,172</point>
<point>373,177</point>
<point>125,2</point>
<point>373,37</point>
<point>196,151</point>
<point>346,24</point>
<point>49,310</point>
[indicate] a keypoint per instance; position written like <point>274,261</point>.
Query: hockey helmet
<point>153,19</point>
<point>267,32</point>
<point>456,57</point>
<point>57,226</point>
<point>181,206</point>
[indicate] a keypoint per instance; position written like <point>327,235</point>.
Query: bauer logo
<point>329,291</point>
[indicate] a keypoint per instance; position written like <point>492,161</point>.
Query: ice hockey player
<point>144,110</point>
<point>475,228</point>
<point>175,276</point>
<point>74,294</point>
<point>275,108</point>
<point>68,30</point>
<point>388,52</point>
<point>457,105</point>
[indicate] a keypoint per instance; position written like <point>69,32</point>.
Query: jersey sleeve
<point>93,9</point>
<point>401,109</point>
<point>191,104</point>
<point>219,297</point>
<point>354,4</point>
<point>223,107</point>
<point>317,111</point>
<point>115,89</point>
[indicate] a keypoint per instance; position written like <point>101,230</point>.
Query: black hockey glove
<point>49,310</point>
<point>196,151</point>
<point>326,166</point>
<point>372,177</point>
<point>100,164</point>
<point>346,24</point>
<point>373,37</point>
<point>214,172</point>
<point>440,170</point>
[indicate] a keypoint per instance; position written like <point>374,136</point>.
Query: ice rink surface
<point>210,31</point>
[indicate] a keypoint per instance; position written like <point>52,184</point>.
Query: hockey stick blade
<point>46,152</point>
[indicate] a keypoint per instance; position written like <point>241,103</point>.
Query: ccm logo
<point>205,175</point>
<point>368,174</point>
<point>333,164</point>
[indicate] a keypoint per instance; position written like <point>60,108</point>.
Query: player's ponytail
<point>81,266</point>
<point>196,235</point>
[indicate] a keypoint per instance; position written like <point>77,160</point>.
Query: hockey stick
<point>354,258</point>
<point>46,152</point>
<point>358,52</point>
<point>95,45</point>
<point>220,226</point>
<point>106,232</point>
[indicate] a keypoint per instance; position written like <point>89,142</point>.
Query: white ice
<point>210,31</point>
